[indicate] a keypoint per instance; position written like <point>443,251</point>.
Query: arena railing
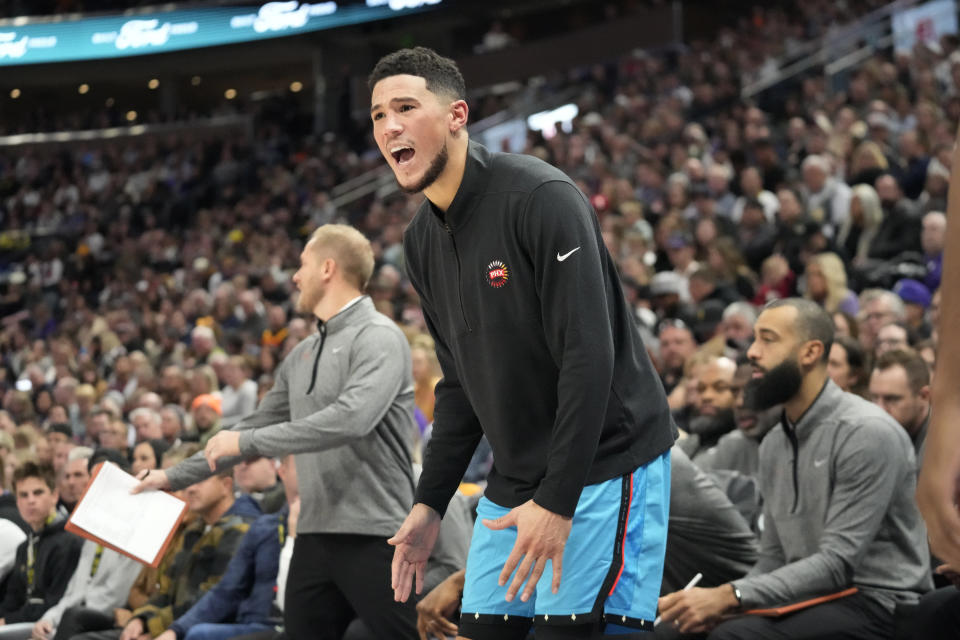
<point>839,44</point>
<point>215,123</point>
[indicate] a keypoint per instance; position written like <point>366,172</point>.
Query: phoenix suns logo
<point>497,274</point>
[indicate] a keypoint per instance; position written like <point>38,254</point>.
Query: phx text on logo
<point>497,274</point>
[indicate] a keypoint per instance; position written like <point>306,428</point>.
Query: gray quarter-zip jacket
<point>342,401</point>
<point>839,509</point>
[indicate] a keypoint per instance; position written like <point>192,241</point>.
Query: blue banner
<point>119,36</point>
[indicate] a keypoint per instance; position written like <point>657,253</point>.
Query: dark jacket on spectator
<point>899,231</point>
<point>245,593</point>
<point>198,566</point>
<point>55,557</point>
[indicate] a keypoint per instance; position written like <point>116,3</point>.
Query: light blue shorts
<point>612,563</point>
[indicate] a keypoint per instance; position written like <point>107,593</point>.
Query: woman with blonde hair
<point>860,227</point>
<point>867,163</point>
<point>827,284</point>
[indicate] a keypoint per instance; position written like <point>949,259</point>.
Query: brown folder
<point>72,528</point>
<point>797,606</point>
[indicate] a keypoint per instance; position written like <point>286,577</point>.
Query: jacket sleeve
<point>112,591</point>
<point>159,613</point>
<point>58,568</point>
<point>220,603</point>
<point>273,409</point>
<point>559,232</point>
<point>16,585</point>
<point>378,359</point>
<point>456,429</point>
<point>869,465</point>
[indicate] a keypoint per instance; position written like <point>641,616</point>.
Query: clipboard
<point>174,523</point>
<point>776,612</point>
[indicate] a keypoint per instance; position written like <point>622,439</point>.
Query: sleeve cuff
<point>555,504</point>
<point>432,500</point>
<point>247,446</point>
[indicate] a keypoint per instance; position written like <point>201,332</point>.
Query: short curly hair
<point>441,74</point>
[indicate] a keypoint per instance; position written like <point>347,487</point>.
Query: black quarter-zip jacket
<point>538,348</point>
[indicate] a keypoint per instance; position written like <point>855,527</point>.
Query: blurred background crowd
<point>145,281</point>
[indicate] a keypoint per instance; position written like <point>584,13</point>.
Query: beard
<point>775,387</point>
<point>433,172</point>
<point>706,426</point>
<point>308,299</point>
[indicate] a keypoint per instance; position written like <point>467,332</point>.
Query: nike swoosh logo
<point>819,463</point>
<point>335,349</point>
<point>561,258</point>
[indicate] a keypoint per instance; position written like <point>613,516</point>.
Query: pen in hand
<point>690,585</point>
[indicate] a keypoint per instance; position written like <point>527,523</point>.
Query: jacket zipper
<point>791,434</point>
<point>316,360</point>
<point>456,254</point>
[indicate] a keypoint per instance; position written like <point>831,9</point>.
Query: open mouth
<point>402,154</point>
<point>746,422</point>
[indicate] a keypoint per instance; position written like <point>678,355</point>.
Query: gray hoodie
<point>342,401</point>
<point>838,508</point>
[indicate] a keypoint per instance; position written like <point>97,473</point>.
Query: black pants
<point>77,620</point>
<point>337,577</point>
<point>855,617</point>
<point>938,616</point>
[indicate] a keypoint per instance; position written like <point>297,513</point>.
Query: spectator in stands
<point>426,372</point>
<point>203,344</point>
<point>148,455</point>
<point>878,307</point>
<point>847,365</point>
<point>676,345</point>
<point>172,419</point>
<point>241,602</point>
<point>737,325</point>
<point>46,560</point>
<point>857,232</point>
<point>239,394</point>
<point>59,433</point>
<point>101,582</point>
<point>756,234</point>
<point>669,293</point>
<point>857,526</point>
<point>900,385</point>
<point>257,477</point>
<point>97,422</point>
<point>739,450</point>
<point>147,424</point>
<point>916,300</point>
<point>12,532</point>
<point>208,545</point>
<point>828,199</point>
<point>826,284</point>
<point>206,409</point>
<point>751,186</point>
<point>899,231</point>
<point>114,436</point>
<point>75,478</point>
<point>713,408</point>
<point>932,237</point>
<point>891,336</point>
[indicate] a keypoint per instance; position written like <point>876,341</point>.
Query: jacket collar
<point>824,405</point>
<point>475,179</point>
<point>348,315</point>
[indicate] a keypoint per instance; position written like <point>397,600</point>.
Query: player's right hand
<point>151,480</point>
<point>414,543</point>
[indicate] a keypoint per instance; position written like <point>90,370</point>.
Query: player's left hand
<point>541,536</point>
<point>223,445</point>
<point>696,610</point>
